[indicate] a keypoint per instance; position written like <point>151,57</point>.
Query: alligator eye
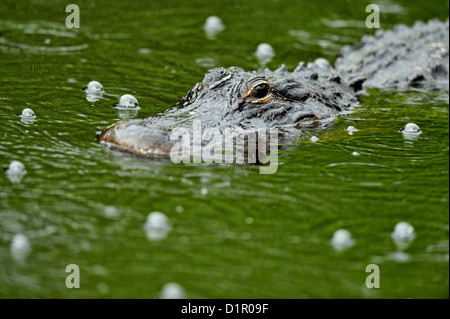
<point>260,93</point>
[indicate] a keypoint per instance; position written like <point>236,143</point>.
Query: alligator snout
<point>137,137</point>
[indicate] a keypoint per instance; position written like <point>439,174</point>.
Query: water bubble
<point>172,290</point>
<point>351,129</point>
<point>213,26</point>
<point>111,212</point>
<point>205,179</point>
<point>264,53</point>
<point>127,106</point>
<point>16,171</point>
<point>342,239</point>
<point>28,113</point>
<point>411,131</point>
<point>206,62</point>
<point>94,91</point>
<point>179,209</point>
<point>403,234</point>
<point>411,128</point>
<point>157,226</point>
<point>99,270</point>
<point>16,167</point>
<point>103,288</point>
<point>127,102</point>
<point>314,139</point>
<point>144,51</point>
<point>94,87</point>
<point>184,239</point>
<point>355,153</point>
<point>20,246</point>
<point>246,236</point>
<point>85,245</point>
<point>27,116</point>
<point>403,231</point>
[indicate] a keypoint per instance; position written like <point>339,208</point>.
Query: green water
<point>239,234</point>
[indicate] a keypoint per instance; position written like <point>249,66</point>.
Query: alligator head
<point>234,98</point>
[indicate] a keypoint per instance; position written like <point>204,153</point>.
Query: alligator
<point>312,94</point>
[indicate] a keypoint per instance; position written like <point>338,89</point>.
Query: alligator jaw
<point>137,138</point>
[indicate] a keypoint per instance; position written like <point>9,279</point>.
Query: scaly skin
<point>307,96</point>
<point>400,58</point>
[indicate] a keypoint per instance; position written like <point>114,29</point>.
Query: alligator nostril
<point>241,106</point>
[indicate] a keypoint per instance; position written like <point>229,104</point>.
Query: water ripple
<point>41,37</point>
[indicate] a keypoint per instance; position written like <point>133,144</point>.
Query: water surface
<point>235,233</point>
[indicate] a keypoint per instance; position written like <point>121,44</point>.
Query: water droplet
<point>204,191</point>
<point>103,288</point>
<point>213,26</point>
<point>249,220</point>
<point>206,62</point>
<point>246,236</point>
<point>99,270</point>
<point>157,226</point>
<point>342,239</point>
<point>179,209</point>
<point>172,290</point>
<point>184,239</point>
<point>85,245</point>
<point>205,179</point>
<point>16,171</point>
<point>20,246</point>
<point>264,53</point>
<point>314,139</point>
<point>355,153</point>
<point>111,212</point>
<point>144,51</point>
